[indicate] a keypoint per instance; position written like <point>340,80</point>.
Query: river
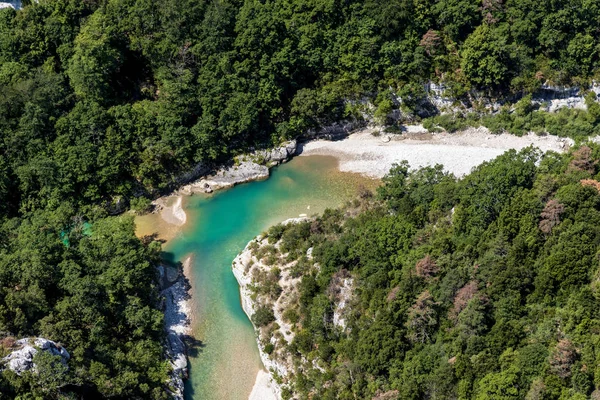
<point>225,360</point>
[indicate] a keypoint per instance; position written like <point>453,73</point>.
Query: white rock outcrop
<point>251,167</point>
<point>177,325</point>
<point>549,97</point>
<point>16,4</point>
<point>343,298</point>
<point>246,171</point>
<point>241,271</point>
<point>21,359</point>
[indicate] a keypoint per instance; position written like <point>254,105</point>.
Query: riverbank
<point>372,154</point>
<point>171,210</point>
<point>241,268</point>
<point>246,266</point>
<point>175,289</point>
<point>361,152</point>
<point>263,389</point>
<point>245,168</point>
<point>368,152</point>
<point>223,358</point>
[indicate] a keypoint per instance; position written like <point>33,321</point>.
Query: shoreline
<point>178,321</point>
<point>262,384</point>
<point>174,213</point>
<point>265,387</point>
<point>262,389</point>
<point>360,152</point>
<point>373,156</point>
<point>366,151</point>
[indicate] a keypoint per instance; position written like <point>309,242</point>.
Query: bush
<point>141,205</point>
<point>263,316</point>
<point>269,347</point>
<point>290,315</point>
<point>275,233</point>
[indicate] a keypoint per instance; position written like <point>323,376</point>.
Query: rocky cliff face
<point>269,285</point>
<point>16,4</point>
<point>550,98</point>
<point>247,267</point>
<point>21,358</point>
<point>175,291</point>
<point>435,100</point>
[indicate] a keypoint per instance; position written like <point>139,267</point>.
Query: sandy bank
<point>262,389</point>
<point>171,210</point>
<point>373,156</point>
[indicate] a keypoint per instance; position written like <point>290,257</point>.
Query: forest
<point>105,103</point>
<point>485,287</point>
<point>107,100</point>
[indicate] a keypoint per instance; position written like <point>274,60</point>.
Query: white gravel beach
<point>262,387</point>
<point>373,156</point>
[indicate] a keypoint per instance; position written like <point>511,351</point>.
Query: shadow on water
<point>169,258</point>
<point>193,345</point>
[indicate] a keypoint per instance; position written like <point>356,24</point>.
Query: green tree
<point>486,57</point>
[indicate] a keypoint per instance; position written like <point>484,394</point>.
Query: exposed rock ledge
<point>16,4</point>
<point>21,359</point>
<point>250,167</point>
<point>175,289</point>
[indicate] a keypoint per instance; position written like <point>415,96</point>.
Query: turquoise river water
<point>224,362</point>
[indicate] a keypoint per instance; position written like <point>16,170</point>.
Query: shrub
<point>290,315</point>
<point>141,205</point>
<point>263,316</point>
<point>269,347</point>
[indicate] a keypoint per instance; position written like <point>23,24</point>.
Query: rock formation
<point>21,359</point>
<point>175,292</point>
<point>16,4</point>
<point>247,168</point>
<point>262,265</point>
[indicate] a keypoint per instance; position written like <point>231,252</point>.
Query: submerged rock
<point>21,359</point>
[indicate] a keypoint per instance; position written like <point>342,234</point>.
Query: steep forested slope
<point>484,287</point>
<point>105,102</point>
<point>111,98</point>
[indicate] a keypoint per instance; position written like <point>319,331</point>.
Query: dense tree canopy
<point>110,98</point>
<point>484,287</point>
<point>106,102</point>
<point>92,289</point>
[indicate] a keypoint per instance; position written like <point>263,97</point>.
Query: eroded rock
<point>251,167</point>
<point>177,322</point>
<point>21,359</point>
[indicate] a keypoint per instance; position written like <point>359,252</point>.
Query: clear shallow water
<point>225,361</point>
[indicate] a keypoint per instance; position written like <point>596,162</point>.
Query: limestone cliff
<point>269,280</point>
<point>177,321</point>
